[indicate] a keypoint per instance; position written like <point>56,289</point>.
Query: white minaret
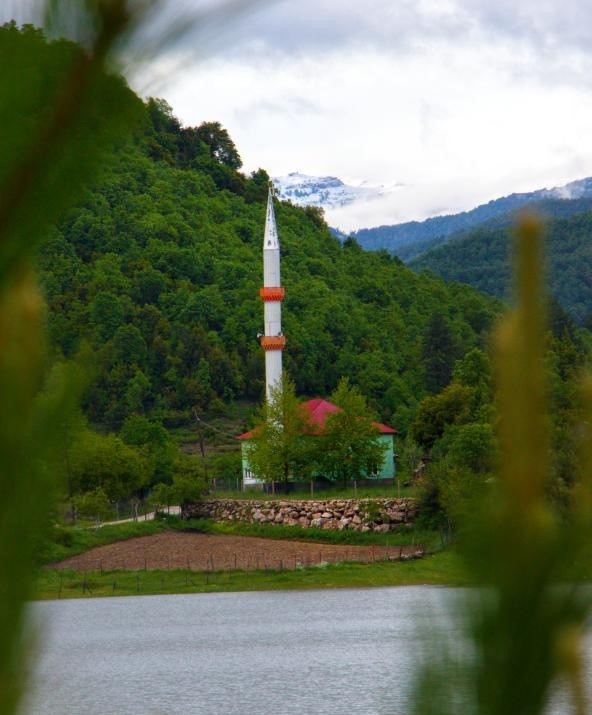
<point>272,294</point>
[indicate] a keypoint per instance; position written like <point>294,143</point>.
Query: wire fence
<point>170,574</point>
<point>256,560</point>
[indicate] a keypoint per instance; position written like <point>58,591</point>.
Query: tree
<point>155,443</point>
<point>188,481</point>
<point>348,445</point>
<point>105,462</point>
<point>474,369</point>
<point>94,504</point>
<point>453,405</point>
<point>472,447</point>
<point>162,495</point>
<point>438,353</point>
<point>220,144</point>
<point>280,446</point>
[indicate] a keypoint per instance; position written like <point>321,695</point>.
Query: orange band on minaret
<point>269,294</point>
<point>276,342</point>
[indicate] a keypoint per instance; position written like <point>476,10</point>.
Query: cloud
<point>455,123</point>
<point>547,24</point>
<point>287,27</point>
<point>320,27</point>
<point>461,101</point>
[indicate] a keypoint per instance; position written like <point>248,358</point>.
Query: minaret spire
<point>272,294</point>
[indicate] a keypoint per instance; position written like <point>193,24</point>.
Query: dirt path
<point>203,552</point>
<point>172,510</point>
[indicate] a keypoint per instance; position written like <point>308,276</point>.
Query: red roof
<point>318,411</point>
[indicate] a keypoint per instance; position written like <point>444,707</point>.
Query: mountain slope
<point>408,240</point>
<point>158,271</point>
<point>481,258</point>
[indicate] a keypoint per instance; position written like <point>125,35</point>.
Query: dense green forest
<point>158,270</point>
<point>481,258</point>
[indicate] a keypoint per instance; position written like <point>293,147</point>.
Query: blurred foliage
<point>523,625</point>
<point>55,133</point>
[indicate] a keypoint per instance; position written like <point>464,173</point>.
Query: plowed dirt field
<point>211,552</point>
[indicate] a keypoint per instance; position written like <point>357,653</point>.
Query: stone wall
<point>379,515</point>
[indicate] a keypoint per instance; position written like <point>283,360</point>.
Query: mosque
<point>273,342</point>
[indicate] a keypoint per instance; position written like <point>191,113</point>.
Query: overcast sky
<point>452,102</point>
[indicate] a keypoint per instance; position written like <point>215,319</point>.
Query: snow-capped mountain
<point>580,189</point>
<point>329,192</point>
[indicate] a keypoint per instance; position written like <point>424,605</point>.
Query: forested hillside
<point>411,239</point>
<point>158,272</point>
<point>482,259</point>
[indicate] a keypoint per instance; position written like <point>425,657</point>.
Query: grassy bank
<point>444,568</point>
<point>64,541</point>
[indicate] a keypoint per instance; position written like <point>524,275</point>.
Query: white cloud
<point>459,100</point>
<point>456,123</point>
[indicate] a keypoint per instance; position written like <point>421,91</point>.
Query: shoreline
<point>441,569</point>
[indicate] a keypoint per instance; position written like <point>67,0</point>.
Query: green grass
<point>444,568</point>
<point>64,541</point>
<point>380,491</point>
<point>404,536</point>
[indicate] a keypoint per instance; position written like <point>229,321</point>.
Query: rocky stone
<point>382,528</point>
<point>361,515</point>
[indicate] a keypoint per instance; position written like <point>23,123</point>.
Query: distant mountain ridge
<point>482,258</point>
<point>411,239</point>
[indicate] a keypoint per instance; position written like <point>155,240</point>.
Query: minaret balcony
<point>272,294</point>
<point>273,342</point>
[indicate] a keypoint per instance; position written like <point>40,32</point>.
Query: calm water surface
<point>343,651</point>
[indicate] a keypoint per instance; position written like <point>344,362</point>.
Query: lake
<point>281,652</point>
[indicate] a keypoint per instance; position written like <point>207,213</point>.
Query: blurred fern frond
<point>523,622</point>
<point>59,112</point>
